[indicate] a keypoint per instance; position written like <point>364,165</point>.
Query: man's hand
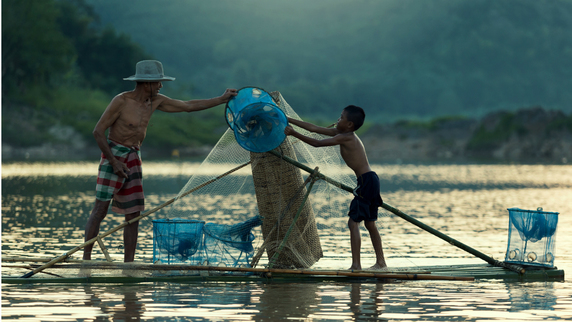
<point>228,94</point>
<point>120,169</point>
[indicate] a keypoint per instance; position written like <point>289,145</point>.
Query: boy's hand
<point>289,130</point>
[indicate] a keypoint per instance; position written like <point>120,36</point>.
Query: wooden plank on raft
<point>488,271</point>
<point>189,273</point>
<point>267,273</point>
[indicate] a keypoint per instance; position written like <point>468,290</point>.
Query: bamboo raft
<point>115,272</point>
<point>140,273</point>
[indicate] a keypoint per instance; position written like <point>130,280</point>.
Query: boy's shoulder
<point>348,133</point>
<point>350,138</point>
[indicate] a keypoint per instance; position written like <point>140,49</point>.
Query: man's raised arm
<point>173,105</point>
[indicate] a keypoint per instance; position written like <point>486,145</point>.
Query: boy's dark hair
<point>356,115</point>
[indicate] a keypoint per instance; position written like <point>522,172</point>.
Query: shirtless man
<point>119,177</point>
<point>367,199</point>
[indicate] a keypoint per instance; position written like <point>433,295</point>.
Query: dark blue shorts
<point>367,198</point>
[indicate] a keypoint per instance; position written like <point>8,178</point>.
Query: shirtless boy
<point>367,199</point>
<point>127,118</point>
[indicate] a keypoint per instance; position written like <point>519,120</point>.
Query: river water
<point>45,207</point>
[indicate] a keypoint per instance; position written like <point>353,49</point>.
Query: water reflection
<point>365,302</point>
<point>122,305</point>
<point>524,297</point>
<point>203,302</point>
<point>288,301</point>
<point>271,301</point>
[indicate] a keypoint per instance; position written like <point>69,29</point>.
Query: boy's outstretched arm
<point>336,140</point>
<point>313,128</point>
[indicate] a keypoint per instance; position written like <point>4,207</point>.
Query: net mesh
<point>264,186</point>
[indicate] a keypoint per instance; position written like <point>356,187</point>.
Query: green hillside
<point>61,68</point>
<point>63,60</point>
<point>397,58</point>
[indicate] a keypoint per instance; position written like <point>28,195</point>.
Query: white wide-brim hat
<point>149,71</point>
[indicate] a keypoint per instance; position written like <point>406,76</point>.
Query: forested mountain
<point>397,58</point>
<point>412,60</point>
<point>60,69</point>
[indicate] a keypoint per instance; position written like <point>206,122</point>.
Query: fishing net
<point>531,237</point>
<point>283,214</point>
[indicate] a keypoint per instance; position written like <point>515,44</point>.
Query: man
<point>367,199</point>
<point>127,117</point>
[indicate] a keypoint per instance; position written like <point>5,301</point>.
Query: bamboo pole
<point>94,239</point>
<point>36,259</point>
<point>103,249</point>
<point>270,271</point>
<point>410,219</point>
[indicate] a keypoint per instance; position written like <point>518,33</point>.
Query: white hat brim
<point>134,78</point>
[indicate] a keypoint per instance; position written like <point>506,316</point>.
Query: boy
<point>367,199</point>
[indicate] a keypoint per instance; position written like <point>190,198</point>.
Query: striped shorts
<point>127,194</point>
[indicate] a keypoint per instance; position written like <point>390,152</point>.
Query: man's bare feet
<point>378,267</point>
<point>354,268</point>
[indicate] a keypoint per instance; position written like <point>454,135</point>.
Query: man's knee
<point>132,215</point>
<point>100,208</point>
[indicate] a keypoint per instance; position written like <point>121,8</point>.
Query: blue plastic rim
<point>258,123</point>
<point>533,225</point>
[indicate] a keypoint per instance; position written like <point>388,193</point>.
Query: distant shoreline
<point>527,136</point>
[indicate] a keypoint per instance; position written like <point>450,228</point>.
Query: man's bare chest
<point>135,115</point>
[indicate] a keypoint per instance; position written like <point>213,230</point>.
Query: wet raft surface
<point>105,272</point>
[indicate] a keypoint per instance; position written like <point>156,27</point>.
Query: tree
<point>33,47</point>
<point>104,56</point>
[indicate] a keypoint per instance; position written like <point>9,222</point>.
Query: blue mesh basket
<point>177,241</point>
<point>258,123</point>
<point>531,237</point>
<point>185,241</point>
<point>230,245</point>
